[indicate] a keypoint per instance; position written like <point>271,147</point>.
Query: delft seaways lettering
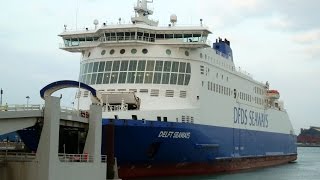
<point>251,118</point>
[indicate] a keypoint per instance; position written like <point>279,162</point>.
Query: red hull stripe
<point>191,169</point>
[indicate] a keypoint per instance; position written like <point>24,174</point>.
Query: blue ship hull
<point>145,148</point>
<point>138,142</point>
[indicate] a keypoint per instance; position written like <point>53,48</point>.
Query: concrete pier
<point>47,163</point>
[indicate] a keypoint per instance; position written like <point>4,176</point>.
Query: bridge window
<point>106,78</point>
<point>167,66</point>
<point>181,79</point>
<point>139,77</point>
<point>182,68</point>
<point>102,66</point>
<point>133,66</point>
<point>141,65</point>
<point>133,71</point>
<point>95,67</point>
<point>122,77</point>
<point>173,78</point>
<point>159,65</point>
<point>188,68</point>
<point>99,78</point>
<point>124,65</point>
<point>114,78</point>
<point>93,78</point>
<point>175,66</point>
<point>165,78</point>
<point>148,78</point>
<point>157,78</point>
<point>116,66</point>
<point>150,66</point>
<point>108,66</point>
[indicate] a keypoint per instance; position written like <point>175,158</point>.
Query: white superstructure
<point>171,73</point>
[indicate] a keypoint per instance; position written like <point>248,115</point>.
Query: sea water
<point>307,167</point>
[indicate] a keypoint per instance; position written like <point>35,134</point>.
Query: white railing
<point>15,156</point>
<point>75,157</point>
<point>23,107</point>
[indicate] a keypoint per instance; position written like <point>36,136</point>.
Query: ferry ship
<point>177,104</point>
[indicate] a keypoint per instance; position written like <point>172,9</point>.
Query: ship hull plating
<point>154,148</point>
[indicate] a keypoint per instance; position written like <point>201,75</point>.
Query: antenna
<point>77,10</point>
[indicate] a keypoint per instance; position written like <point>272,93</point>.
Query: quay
<point>47,163</point>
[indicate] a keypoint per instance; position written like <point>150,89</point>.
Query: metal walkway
<point>17,117</point>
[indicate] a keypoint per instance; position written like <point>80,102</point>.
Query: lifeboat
<point>273,94</point>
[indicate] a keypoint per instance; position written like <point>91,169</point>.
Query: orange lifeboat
<point>273,94</point>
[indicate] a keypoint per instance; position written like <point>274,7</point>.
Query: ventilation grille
<point>169,93</point>
<point>144,90</point>
<point>183,94</point>
<point>133,90</point>
<point>121,89</point>
<point>85,93</point>
<point>154,92</point>
<point>202,69</point>
<point>111,90</point>
<point>187,119</point>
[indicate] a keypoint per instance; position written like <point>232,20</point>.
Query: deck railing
<point>23,107</point>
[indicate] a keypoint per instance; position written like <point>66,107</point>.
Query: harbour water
<point>307,167</point>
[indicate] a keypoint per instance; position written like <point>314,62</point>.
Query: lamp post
<point>1,92</point>
<point>28,97</point>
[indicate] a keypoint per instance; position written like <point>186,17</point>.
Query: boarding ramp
<point>18,117</point>
<point>47,163</point>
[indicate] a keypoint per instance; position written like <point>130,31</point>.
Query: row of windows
<point>139,35</point>
<point>134,65</point>
<point>258,101</point>
<point>153,92</point>
<point>219,89</point>
<point>258,90</point>
<point>136,78</point>
<point>245,97</point>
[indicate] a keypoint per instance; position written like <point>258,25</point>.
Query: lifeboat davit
<point>273,94</point>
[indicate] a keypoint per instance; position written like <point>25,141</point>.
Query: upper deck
<point>126,34</point>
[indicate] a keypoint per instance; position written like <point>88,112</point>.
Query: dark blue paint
<point>138,142</point>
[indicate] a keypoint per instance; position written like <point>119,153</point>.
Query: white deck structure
<point>47,163</point>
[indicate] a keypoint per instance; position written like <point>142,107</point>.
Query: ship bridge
<point>142,31</point>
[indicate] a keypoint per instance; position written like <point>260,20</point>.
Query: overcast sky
<point>275,41</point>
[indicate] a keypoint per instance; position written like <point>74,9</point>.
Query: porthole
<point>122,51</point>
<point>112,51</point>
<point>89,54</point>
<point>168,51</point>
<point>186,53</point>
<point>144,51</point>
<point>103,52</point>
<point>201,55</point>
<point>133,51</point>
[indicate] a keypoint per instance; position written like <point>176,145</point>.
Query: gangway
<point>47,163</point>
<point>17,117</point>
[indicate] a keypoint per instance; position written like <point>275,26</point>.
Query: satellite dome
<point>173,18</point>
<point>96,22</point>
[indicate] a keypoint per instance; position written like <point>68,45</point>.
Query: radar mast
<point>142,13</point>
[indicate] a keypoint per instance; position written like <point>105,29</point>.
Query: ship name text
<point>174,135</point>
<point>249,117</point>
